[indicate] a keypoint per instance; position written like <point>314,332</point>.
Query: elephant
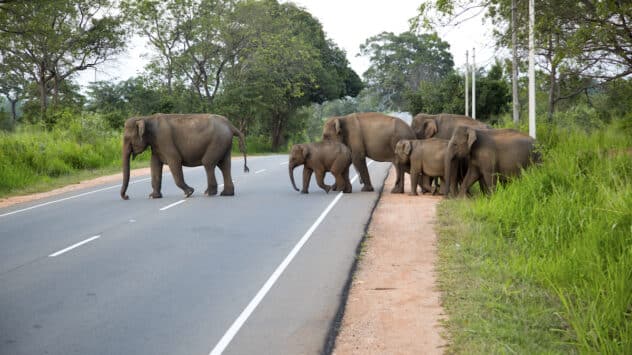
<point>442,125</point>
<point>321,157</point>
<point>426,158</point>
<point>492,155</point>
<point>369,134</point>
<point>182,139</point>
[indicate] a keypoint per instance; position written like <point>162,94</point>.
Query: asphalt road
<point>261,272</point>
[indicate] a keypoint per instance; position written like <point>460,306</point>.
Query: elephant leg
<point>156,176</point>
<point>320,180</point>
<point>359,163</point>
<point>470,178</point>
<point>489,180</point>
<point>341,183</point>
<point>347,188</point>
<point>224,166</point>
<point>414,180</point>
<point>399,180</point>
<point>178,177</point>
<point>426,184</point>
<point>307,175</point>
<point>211,181</point>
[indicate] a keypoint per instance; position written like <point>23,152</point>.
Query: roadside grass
<point>545,264</point>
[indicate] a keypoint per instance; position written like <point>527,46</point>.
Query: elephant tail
<point>242,145</point>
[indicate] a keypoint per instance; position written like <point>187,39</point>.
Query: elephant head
<point>424,126</point>
<point>402,151</point>
<point>332,130</point>
<point>459,147</point>
<point>298,155</point>
<point>134,143</point>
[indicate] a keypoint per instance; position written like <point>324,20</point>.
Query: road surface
<point>262,272</point>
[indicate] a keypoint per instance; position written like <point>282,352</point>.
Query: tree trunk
<point>514,65</point>
<point>552,82</point>
<point>42,91</point>
<point>277,131</point>
<point>14,114</point>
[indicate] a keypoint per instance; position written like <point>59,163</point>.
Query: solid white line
<point>285,163</point>
<point>171,205</point>
<point>245,314</point>
<point>68,198</point>
<point>260,171</point>
<point>74,246</point>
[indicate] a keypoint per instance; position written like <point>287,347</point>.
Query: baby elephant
<point>426,158</point>
<point>321,157</point>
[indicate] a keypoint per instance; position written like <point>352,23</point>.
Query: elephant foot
<point>189,192</point>
<point>367,188</point>
<point>333,187</point>
<point>155,195</point>
<point>228,192</point>
<point>397,190</point>
<point>327,189</point>
<point>304,192</point>
<point>347,190</point>
<point>413,194</point>
<point>211,192</point>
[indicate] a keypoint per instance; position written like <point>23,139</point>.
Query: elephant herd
<point>456,149</point>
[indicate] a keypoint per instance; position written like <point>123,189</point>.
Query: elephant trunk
<point>291,171</point>
<point>127,152</point>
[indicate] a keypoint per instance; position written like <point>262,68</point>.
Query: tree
<point>286,64</point>
<point>401,63</point>
<point>53,40</point>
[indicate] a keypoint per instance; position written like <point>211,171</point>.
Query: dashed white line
<point>74,246</point>
<point>245,314</point>
<point>260,171</point>
<point>171,205</point>
<point>285,163</point>
<point>68,198</point>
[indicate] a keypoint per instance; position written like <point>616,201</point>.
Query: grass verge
<point>545,264</point>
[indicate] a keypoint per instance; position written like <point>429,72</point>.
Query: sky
<point>348,23</point>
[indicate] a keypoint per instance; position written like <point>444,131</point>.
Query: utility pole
<point>531,70</point>
<point>467,88</point>
<point>473,83</point>
<point>514,66</point>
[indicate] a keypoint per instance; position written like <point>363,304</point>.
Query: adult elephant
<point>369,134</point>
<point>492,155</point>
<point>442,125</point>
<point>177,140</point>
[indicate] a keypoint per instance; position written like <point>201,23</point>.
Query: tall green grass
<point>545,264</point>
<point>33,156</point>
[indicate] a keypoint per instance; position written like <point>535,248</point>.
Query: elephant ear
<point>140,124</point>
<point>407,146</point>
<point>471,137</point>
<point>337,125</point>
<point>305,150</point>
<point>430,128</point>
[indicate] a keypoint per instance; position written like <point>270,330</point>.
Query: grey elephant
<point>369,134</point>
<point>442,125</point>
<point>492,155</point>
<point>427,160</point>
<point>182,140</point>
<point>321,157</point>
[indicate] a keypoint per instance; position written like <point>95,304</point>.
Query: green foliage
<point>401,63</point>
<point>545,264</point>
<point>32,155</point>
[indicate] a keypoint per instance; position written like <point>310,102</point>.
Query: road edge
<point>334,328</point>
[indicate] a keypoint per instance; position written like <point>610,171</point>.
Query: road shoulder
<point>393,306</point>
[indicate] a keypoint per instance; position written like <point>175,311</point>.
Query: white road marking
<point>260,171</point>
<point>245,314</point>
<point>68,198</point>
<point>74,246</point>
<point>285,163</point>
<point>171,205</point>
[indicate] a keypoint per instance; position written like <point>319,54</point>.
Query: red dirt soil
<point>394,306</point>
